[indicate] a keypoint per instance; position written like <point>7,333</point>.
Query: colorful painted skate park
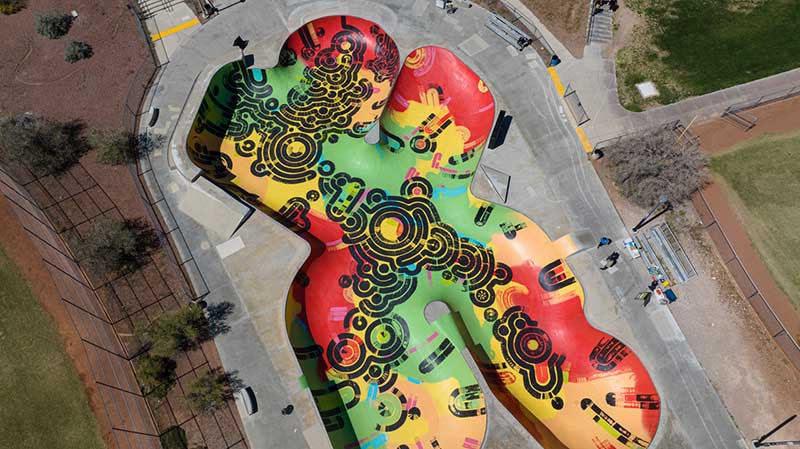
<point>397,281</point>
<point>393,227</point>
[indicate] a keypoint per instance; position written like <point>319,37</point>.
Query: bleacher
<point>508,32</point>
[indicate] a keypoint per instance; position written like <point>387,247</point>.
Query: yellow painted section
<point>556,80</point>
<point>587,146</point>
<point>584,140</point>
<point>175,29</point>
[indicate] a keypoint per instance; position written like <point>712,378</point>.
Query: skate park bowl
<point>394,227</point>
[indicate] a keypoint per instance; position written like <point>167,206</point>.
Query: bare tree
<point>647,165</point>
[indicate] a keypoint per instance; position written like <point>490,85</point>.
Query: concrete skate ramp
<point>393,227</point>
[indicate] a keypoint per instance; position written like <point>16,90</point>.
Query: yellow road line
<point>556,80</point>
<point>584,140</point>
<point>175,29</point>
<point>587,146</point>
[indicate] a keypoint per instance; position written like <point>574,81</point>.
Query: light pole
<point>760,442</point>
<point>663,201</point>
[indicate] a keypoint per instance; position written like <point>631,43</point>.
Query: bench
<point>508,32</point>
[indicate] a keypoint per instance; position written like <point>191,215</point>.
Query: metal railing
<point>591,22</point>
<point>772,97</point>
<point>794,345</point>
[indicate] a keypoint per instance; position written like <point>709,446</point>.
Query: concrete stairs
<point>149,8</point>
<point>601,27</point>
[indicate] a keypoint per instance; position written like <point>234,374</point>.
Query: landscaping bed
<point>566,19</point>
<point>35,77</point>
<point>103,92</point>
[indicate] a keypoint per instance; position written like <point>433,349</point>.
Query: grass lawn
<point>763,173</point>
<point>42,402</point>
<point>693,47</point>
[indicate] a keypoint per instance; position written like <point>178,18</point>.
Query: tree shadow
<point>145,143</point>
<point>233,381</point>
<point>217,315</point>
<point>147,241</point>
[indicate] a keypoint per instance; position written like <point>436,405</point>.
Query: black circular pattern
<point>524,346</point>
<point>347,354</point>
<point>384,345</point>
<point>392,239</point>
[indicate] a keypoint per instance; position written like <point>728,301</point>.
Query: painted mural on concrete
<point>393,227</point>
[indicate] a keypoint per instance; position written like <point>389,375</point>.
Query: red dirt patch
<point>752,376</point>
<point>36,78</point>
<point>566,19</point>
<point>719,134</point>
<point>770,376</point>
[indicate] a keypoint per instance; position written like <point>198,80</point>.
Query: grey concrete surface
<point>551,182</point>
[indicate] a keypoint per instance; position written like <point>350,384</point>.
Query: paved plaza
<point>241,255</point>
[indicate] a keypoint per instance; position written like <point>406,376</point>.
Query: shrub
<point>118,146</point>
<point>156,374</point>
<point>176,330</point>
<point>174,438</point>
<point>652,164</point>
<point>113,246</point>
<point>114,146</point>
<point>53,24</point>
<point>9,7</point>
<point>43,145</point>
<point>76,51</point>
<point>210,391</point>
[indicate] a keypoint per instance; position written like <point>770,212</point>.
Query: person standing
<point>604,241</point>
<point>609,261</point>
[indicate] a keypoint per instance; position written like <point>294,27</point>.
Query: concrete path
<point>170,23</point>
<point>251,264</point>
<point>594,79</point>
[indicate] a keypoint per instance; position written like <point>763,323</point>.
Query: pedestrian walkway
<point>170,23</point>
<point>594,78</point>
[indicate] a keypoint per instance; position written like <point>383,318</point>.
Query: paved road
<point>551,182</point>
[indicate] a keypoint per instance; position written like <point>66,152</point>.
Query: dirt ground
<point>625,22</point>
<point>753,377</point>
<point>718,135</point>
<point>566,19</point>
<point>35,77</point>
